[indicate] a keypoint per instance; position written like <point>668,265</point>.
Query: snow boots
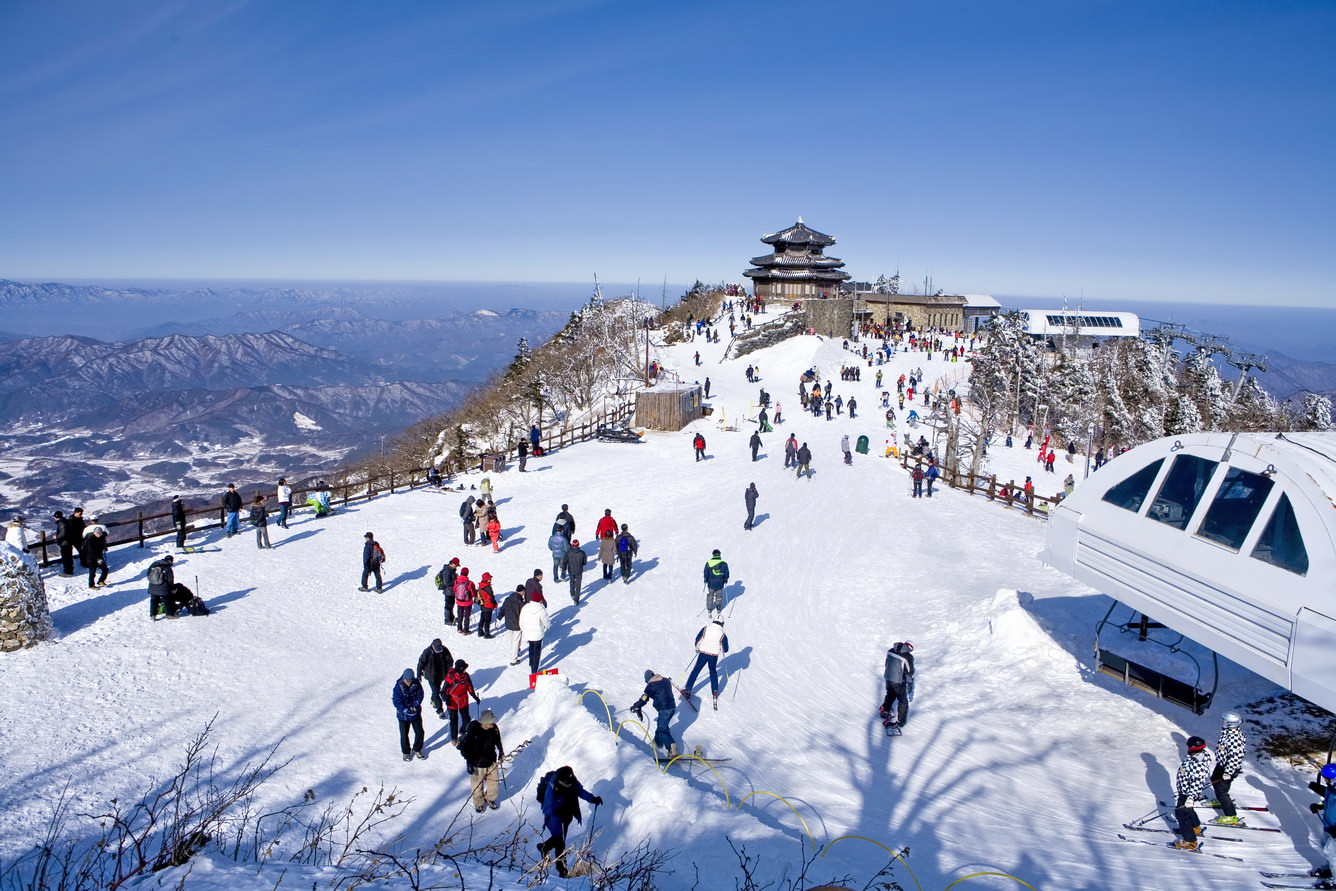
<point>1184,845</point>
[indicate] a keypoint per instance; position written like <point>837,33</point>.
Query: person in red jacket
<point>458,688</point>
<point>606,524</point>
<point>698,443</point>
<point>487,603</point>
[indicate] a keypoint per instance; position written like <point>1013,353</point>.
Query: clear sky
<point>1146,150</point>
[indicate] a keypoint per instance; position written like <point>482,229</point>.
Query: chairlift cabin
<point>1226,538</point>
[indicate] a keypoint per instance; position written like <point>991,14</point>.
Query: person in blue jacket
<point>558,544</point>
<point>407,699</point>
<point>659,690</point>
<point>716,576</point>
<point>1326,809</point>
<point>561,803</point>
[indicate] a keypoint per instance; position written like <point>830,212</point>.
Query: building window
<point>1281,543</point>
<point>1181,490</point>
<point>1234,508</point>
<point>1131,493</point>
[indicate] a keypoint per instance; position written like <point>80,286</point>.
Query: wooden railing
<point>988,487</point>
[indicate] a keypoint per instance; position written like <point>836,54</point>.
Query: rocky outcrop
<point>769,334</point>
<point>25,618</point>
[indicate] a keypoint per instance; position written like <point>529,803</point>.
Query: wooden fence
<point>988,487</point>
<point>143,527</point>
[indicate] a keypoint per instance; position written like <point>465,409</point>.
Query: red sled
<point>538,451</point>
<point>533,678</point>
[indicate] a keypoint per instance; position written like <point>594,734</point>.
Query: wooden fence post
<point>46,561</point>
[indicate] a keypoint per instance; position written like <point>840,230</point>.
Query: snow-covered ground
<point>1015,760</point>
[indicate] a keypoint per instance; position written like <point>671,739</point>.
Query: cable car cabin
<point>1227,538</point>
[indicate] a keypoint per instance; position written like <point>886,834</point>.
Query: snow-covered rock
<point>25,618</point>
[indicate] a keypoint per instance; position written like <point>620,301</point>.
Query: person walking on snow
<point>606,523</point>
<point>804,457</point>
<point>561,803</point>
<point>716,577</point>
<point>284,496</point>
<point>465,593</point>
<point>659,690</point>
<point>558,544</point>
<point>486,606</point>
<point>575,567</point>
<point>930,475</point>
<point>469,520</point>
<point>698,443</point>
<point>494,532</point>
<point>407,699</point>
<point>510,618</point>
<point>232,507</point>
<point>449,573</point>
<point>626,552</point>
<point>567,522</point>
<point>791,451</point>
<point>1229,751</point>
<point>480,744</point>
<point>458,687</point>
<point>750,497</point>
<point>373,556</point>
<point>916,475</point>
<point>534,623</point>
<point>899,677</point>
<point>259,518</point>
<point>1193,773</point>
<point>755,443</point>
<point>178,522</point>
<point>711,645</point>
<point>432,666</point>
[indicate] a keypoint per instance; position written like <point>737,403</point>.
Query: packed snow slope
<point>1015,758</point>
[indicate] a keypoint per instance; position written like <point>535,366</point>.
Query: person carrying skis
<point>449,573</point>
<point>711,645</point>
<point>560,793</point>
<point>716,576</point>
<point>480,744</point>
<point>458,687</point>
<point>899,676</point>
<point>750,496</point>
<point>432,666</point>
<point>575,561</point>
<point>698,443</point>
<point>486,605</point>
<point>1326,808</point>
<point>558,544</point>
<point>1193,773</point>
<point>1228,765</point>
<point>407,699</point>
<point>465,593</point>
<point>659,690</point>
<point>626,551</point>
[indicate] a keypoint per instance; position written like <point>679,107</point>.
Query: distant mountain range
<point>287,387</point>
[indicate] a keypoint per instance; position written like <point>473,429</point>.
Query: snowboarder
<point>1326,808</point>
<point>160,580</point>
<point>432,666</point>
<point>659,690</point>
<point>561,803</point>
<point>575,567</point>
<point>804,457</point>
<point>1193,773</point>
<point>407,699</point>
<point>480,744</point>
<point>534,622</point>
<point>755,443</point>
<point>510,618</point>
<point>1228,765</point>
<point>458,687</point>
<point>716,577</point>
<point>698,443</point>
<point>626,551</point>
<point>448,574</point>
<point>486,605</point>
<point>899,677</point>
<point>373,555</point>
<point>711,645</point>
<point>750,497</point>
<point>465,593</point>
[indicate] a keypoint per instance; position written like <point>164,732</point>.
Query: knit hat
<point>408,675</point>
<point>649,673</point>
<point>437,646</point>
<point>487,717</point>
<point>461,665</point>
<point>454,561</point>
<point>1196,744</point>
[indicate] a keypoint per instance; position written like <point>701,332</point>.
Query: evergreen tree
<point>1316,413</point>
<point>1201,383</point>
<point>1072,398</point>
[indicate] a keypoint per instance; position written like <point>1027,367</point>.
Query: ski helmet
<point>1329,771</point>
<point>1196,743</point>
<point>1231,719</point>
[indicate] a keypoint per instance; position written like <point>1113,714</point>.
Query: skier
<point>575,567</point>
<point>755,443</point>
<point>1228,765</point>
<point>534,622</point>
<point>510,618</point>
<point>1193,773</point>
<point>486,605</point>
<point>626,551</point>
<point>373,555</point>
<point>465,593</point>
<point>716,576</point>
<point>458,687</point>
<point>407,699</point>
<point>899,677</point>
<point>449,572</point>
<point>1326,808</point>
<point>659,690</point>
<point>804,458</point>
<point>561,793</point>
<point>432,666</point>
<point>711,645</point>
<point>750,497</point>
<point>698,443</point>
<point>558,544</point>
<point>844,447</point>
<point>160,580</point>
<point>480,744</point>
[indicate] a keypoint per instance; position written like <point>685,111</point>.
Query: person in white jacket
<point>711,644</point>
<point>534,622</point>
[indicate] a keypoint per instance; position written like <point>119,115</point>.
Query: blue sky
<point>1138,150</point>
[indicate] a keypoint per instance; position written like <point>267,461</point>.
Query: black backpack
<point>543,784</point>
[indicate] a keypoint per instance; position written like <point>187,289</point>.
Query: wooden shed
<point>669,406</point>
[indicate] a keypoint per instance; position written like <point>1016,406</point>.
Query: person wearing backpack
<point>575,561</point>
<point>567,522</point>
<point>160,580</point>
<point>510,617</point>
<point>916,475</point>
<point>626,551</point>
<point>465,593</point>
<point>480,744</point>
<point>446,582</point>
<point>659,690</point>
<point>791,451</point>
<point>486,605</point>
<point>716,577</point>
<point>560,792</point>
<point>458,687</point>
<point>407,699</point>
<point>558,544</point>
<point>373,556</point>
<point>698,443</point>
<point>899,677</point>
<point>432,666</point>
<point>607,554</point>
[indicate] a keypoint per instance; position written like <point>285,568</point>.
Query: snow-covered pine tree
<point>1316,414</point>
<point>1201,383</point>
<point>1071,395</point>
<point>1254,409</point>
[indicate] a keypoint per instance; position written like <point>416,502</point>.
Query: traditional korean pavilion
<point>799,268</point>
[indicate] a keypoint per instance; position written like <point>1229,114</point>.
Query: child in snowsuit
<point>1228,765</point>
<point>1193,773</point>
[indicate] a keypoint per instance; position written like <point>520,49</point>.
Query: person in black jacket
<point>659,690</point>
<point>561,804</point>
<point>259,518</point>
<point>63,541</point>
<point>510,614</point>
<point>93,555</point>
<point>160,581</point>
<point>432,665</point>
<point>750,496</point>
<point>480,744</point>
<point>449,573</point>
<point>372,558</point>
<point>804,461</point>
<point>567,521</point>
<point>899,677</point>
<point>576,559</point>
<point>179,520</point>
<point>232,507</point>
<point>74,535</point>
<point>755,443</point>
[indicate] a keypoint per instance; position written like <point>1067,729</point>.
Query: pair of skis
<point>1301,880</point>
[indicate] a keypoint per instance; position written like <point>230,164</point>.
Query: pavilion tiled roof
<point>799,233</point>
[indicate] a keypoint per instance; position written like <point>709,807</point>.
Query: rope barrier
<point>790,807</point>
